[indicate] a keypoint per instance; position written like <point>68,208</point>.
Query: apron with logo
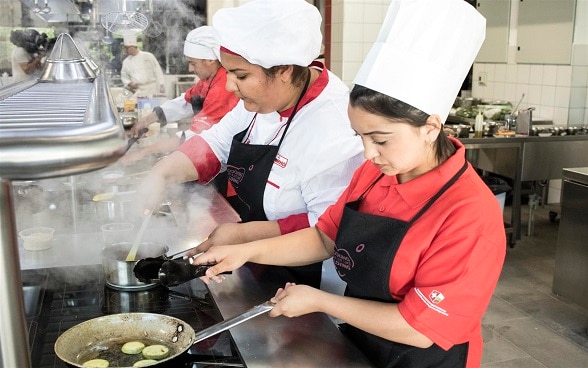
<point>365,249</point>
<point>248,168</point>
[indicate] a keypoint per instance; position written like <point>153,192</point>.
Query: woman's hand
<point>227,258</point>
<point>295,300</point>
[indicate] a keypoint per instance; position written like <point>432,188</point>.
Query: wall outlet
<point>482,78</point>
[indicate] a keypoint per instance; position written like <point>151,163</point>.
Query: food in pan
<point>96,363</point>
<point>132,347</point>
<point>155,352</point>
<point>144,362</point>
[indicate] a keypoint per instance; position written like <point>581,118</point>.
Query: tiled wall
<point>558,92</point>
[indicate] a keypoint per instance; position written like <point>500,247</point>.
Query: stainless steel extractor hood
<point>61,124</point>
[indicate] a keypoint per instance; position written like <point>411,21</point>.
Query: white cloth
<point>270,32</point>
<point>201,43</point>
<point>423,53</point>
<point>143,69</point>
<point>20,55</point>
<point>320,150</point>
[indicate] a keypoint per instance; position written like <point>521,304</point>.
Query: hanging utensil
<point>133,252</point>
<point>125,22</point>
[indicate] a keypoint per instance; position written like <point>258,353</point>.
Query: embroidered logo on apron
<point>235,174</point>
<point>343,261</point>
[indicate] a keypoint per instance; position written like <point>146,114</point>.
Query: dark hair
<point>299,73</point>
<point>29,39</point>
<point>395,110</point>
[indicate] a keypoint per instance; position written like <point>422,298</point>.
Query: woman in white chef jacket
<point>287,146</point>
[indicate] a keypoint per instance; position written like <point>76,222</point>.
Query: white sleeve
<point>177,109</point>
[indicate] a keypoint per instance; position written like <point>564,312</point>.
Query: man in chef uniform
<point>417,235</point>
<point>206,102</point>
<point>287,145</point>
<point>141,72</point>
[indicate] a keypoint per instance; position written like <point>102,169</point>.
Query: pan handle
<point>232,322</point>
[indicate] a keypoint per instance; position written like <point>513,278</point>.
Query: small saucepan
<point>119,274</point>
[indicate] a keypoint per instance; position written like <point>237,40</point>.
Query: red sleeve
<point>293,223</point>
<point>195,90</point>
<point>205,161</point>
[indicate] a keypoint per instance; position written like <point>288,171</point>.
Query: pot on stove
<point>118,273</point>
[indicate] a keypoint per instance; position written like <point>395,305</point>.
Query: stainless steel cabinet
<point>571,261</point>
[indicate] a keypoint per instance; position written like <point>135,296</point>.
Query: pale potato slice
<point>155,352</point>
<point>144,362</point>
<point>96,363</point>
<point>132,347</point>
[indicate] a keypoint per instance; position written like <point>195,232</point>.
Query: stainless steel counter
<point>525,158</point>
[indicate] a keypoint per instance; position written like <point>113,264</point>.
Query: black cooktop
<point>57,299</point>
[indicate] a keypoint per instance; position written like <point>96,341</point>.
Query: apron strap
<point>440,192</point>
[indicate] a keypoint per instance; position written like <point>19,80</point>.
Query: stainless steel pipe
<point>14,350</point>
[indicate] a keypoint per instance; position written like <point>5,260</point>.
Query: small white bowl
<point>37,238</point>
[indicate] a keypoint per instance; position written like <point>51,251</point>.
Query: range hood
<point>66,122</point>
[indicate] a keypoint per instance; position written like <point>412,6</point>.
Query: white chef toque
<point>271,32</point>
<point>130,39</point>
<point>201,43</point>
<point>423,53</point>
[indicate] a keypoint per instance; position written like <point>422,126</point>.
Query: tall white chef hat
<point>130,39</point>
<point>270,32</point>
<point>423,53</point>
<point>201,43</point>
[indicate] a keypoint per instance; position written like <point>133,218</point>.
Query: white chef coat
<point>316,159</point>
<point>20,55</point>
<point>177,109</point>
<point>143,69</point>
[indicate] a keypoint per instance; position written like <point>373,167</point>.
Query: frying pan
<point>102,337</point>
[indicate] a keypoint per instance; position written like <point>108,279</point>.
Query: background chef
<point>418,236</point>
<point>207,101</point>
<point>141,72</point>
<point>287,145</point>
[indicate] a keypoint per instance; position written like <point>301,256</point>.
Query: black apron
<point>365,249</point>
<point>248,168</point>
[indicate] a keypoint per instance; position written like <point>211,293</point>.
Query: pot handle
<point>232,322</point>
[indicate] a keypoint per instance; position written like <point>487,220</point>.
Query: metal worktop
<point>526,158</point>
<point>310,341</point>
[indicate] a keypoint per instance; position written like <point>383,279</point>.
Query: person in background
<point>27,57</point>
<point>207,101</point>
<point>287,146</point>
<point>141,72</point>
<point>417,235</point>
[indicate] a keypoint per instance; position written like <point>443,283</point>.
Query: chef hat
<point>201,43</point>
<point>270,32</point>
<point>423,53</point>
<point>130,39</point>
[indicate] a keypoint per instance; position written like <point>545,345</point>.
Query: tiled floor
<point>526,325</point>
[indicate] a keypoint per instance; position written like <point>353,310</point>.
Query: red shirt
<point>218,101</point>
<point>448,264</point>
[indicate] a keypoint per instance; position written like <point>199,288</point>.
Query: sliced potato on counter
<point>144,362</point>
<point>155,352</point>
<point>133,347</point>
<point>96,363</point>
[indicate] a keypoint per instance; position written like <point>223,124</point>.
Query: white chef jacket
<point>143,69</point>
<point>20,55</point>
<point>316,159</point>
